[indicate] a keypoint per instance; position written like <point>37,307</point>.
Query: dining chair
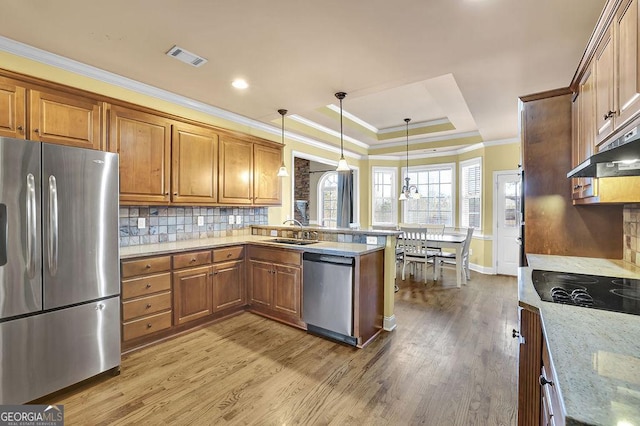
<point>448,260</point>
<point>415,251</point>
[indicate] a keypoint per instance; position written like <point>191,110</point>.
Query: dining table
<point>453,241</point>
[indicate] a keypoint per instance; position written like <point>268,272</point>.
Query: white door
<point>508,222</point>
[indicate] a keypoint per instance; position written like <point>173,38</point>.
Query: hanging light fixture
<point>282,171</point>
<point>408,191</point>
<point>342,164</point>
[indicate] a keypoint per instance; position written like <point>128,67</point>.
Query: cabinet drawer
<point>228,253</point>
<point>275,255</point>
<point>146,306</point>
<point>187,260</point>
<point>147,285</point>
<point>132,268</point>
<point>147,325</point>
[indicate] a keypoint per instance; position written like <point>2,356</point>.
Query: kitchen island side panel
<point>553,225</point>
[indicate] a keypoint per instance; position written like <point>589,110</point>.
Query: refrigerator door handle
<point>31,226</point>
<point>53,226</point>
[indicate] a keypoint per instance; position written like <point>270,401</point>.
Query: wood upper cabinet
<point>235,175</point>
<point>12,109</point>
<point>144,144</point>
<point>64,119</point>
<point>627,67</point>
<point>605,109</point>
<point>194,153</point>
<point>266,183</point>
<point>583,134</point>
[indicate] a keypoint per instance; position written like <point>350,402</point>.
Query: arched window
<point>328,199</point>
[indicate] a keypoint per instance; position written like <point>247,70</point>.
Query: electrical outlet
<point>372,240</point>
<point>231,219</point>
<point>200,220</point>
<point>238,220</point>
<point>470,251</point>
<point>273,232</point>
<point>141,223</point>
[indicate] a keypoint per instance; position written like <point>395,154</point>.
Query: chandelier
<point>408,191</point>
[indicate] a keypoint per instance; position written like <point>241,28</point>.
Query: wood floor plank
<point>451,361</point>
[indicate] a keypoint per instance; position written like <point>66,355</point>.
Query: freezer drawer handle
<point>31,226</point>
<point>53,226</point>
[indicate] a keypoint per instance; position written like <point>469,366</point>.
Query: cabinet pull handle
<point>543,381</point>
<point>149,325</point>
<point>609,115</point>
<point>148,305</point>
<point>515,333</point>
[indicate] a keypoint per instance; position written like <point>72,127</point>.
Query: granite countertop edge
<point>322,247</point>
<point>595,354</point>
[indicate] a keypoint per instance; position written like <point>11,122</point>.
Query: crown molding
<point>462,150</point>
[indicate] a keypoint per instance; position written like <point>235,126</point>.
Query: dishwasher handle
<point>327,258</point>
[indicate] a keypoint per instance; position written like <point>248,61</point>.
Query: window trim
<point>466,163</point>
<point>394,194</point>
<point>320,199</point>
<point>430,167</point>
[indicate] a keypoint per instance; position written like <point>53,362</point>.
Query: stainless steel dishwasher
<point>328,296</point>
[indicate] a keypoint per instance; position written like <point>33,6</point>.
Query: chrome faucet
<point>297,222</point>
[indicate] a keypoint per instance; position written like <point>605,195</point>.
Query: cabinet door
<point>191,294</point>
<point>228,285</point>
<point>64,119</point>
<point>266,183</point>
<point>529,363</point>
<point>235,175</point>
<point>194,152</point>
<point>605,111</point>
<point>286,291</point>
<point>576,158</point>
<point>144,144</point>
<point>260,283</point>
<point>627,70</point>
<point>12,110</point>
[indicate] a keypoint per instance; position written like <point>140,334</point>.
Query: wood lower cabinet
<point>192,294</point>
<point>144,143</point>
<point>228,285</point>
<point>13,112</point>
<point>275,284</point>
<point>146,298</point>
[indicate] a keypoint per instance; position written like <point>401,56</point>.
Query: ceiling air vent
<point>186,56</point>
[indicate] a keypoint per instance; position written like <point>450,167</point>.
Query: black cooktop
<point>589,291</point>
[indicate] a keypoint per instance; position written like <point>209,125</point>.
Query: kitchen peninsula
<point>214,278</point>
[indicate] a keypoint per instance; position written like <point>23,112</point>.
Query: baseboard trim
<point>488,270</point>
<point>389,323</point>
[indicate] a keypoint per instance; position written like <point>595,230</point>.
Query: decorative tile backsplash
<point>168,224</point>
<point>631,224</point>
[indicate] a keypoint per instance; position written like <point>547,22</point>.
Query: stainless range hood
<point>615,159</point>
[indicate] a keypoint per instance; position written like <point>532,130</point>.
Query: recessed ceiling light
<point>240,83</point>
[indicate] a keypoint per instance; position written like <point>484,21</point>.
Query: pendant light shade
<point>408,191</point>
<point>342,163</point>
<point>282,171</point>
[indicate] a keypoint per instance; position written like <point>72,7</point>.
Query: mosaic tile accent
<point>631,229</point>
<point>169,224</point>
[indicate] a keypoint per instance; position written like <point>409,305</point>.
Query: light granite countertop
<point>595,353</point>
<point>322,247</point>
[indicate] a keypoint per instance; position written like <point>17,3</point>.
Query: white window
<point>328,199</point>
<point>471,193</point>
<point>384,202</point>
<point>436,203</point>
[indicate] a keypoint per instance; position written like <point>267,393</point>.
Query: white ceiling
<point>462,62</point>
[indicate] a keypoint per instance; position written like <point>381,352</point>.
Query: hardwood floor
<point>451,361</point>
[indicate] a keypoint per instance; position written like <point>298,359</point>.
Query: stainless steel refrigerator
<point>59,267</point>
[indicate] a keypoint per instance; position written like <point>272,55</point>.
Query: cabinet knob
<point>193,259</point>
<point>148,305</point>
<point>175,193</point>
<point>147,266</point>
<point>166,193</point>
<point>543,381</point>
<point>20,128</point>
<point>229,255</point>
<point>515,333</point>
<point>36,130</point>
<point>148,285</point>
<point>609,115</point>
<point>149,325</point>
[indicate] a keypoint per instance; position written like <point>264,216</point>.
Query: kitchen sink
<point>292,241</point>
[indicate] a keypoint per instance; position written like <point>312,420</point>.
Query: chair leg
<point>404,265</point>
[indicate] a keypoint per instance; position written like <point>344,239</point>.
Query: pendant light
<point>408,191</point>
<point>282,171</point>
<point>342,164</point>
